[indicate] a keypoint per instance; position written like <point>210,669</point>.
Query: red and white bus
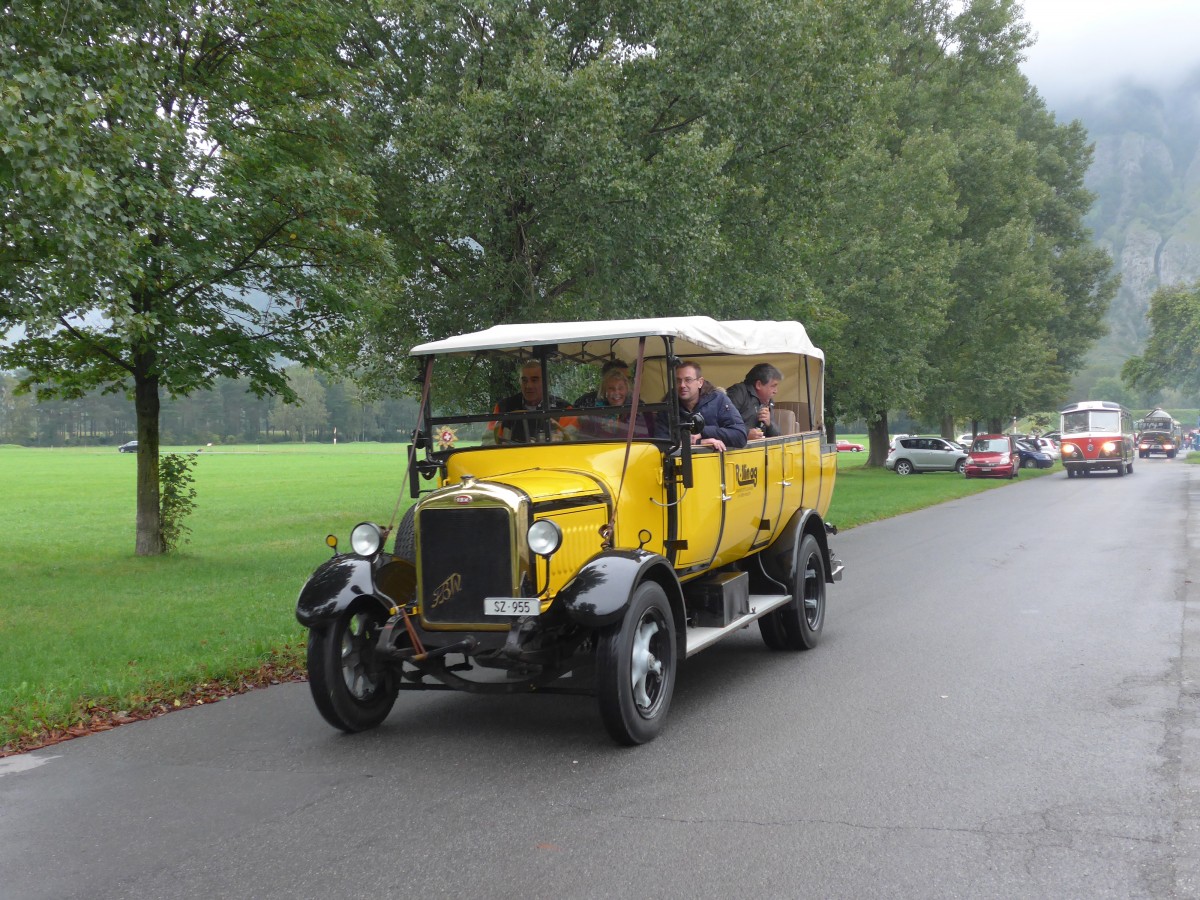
<point>1097,435</point>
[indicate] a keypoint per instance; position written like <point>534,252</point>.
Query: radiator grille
<point>466,555</point>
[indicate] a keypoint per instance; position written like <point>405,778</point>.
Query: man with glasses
<point>723,425</point>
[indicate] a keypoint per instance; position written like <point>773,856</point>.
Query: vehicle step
<point>760,605</point>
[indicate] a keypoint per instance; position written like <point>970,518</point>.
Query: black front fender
<point>599,594</point>
<point>336,584</point>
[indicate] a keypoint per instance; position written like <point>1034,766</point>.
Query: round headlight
<point>544,537</point>
<point>366,538</point>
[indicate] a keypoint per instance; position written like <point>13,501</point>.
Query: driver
<point>517,427</point>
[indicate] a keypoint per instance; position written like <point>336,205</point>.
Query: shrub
<point>177,498</point>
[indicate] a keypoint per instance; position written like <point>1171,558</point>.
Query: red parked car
<point>843,445</point>
<point>993,456</point>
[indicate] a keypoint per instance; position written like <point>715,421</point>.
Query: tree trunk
<point>149,527</point>
<point>877,434</point>
<point>948,427</point>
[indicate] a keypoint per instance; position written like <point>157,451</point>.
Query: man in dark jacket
<point>723,425</point>
<point>516,427</point>
<point>754,397</point>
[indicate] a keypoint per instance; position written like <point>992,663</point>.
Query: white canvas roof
<point>694,335</point>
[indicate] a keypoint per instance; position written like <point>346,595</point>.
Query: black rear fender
<point>778,559</point>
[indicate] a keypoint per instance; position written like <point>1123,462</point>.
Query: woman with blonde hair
<point>616,391</point>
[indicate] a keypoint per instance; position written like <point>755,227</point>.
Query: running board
<point>760,605</point>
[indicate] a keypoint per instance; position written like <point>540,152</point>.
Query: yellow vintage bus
<point>588,548</point>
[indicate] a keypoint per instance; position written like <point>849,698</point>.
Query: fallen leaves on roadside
<point>97,718</point>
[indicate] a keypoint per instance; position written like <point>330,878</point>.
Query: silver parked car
<point>925,454</point>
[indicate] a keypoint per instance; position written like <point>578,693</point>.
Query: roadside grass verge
<point>92,633</point>
<point>86,624</point>
<point>867,495</point>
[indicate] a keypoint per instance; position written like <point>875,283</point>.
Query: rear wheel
<point>772,631</point>
<point>801,620</point>
<point>635,668</point>
<point>350,690</point>
<point>904,467</point>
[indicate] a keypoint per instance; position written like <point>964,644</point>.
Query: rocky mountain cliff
<point>1146,175</point>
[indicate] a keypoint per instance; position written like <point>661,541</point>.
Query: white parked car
<point>914,453</point>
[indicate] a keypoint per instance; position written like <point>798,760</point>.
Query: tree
<point>180,198</point>
<point>886,271</point>
<point>581,160</point>
<point>309,412</point>
<point>1029,291</point>
<point>1171,357</point>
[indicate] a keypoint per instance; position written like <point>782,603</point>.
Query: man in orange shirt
<point>515,426</point>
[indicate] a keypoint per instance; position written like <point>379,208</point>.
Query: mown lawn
<point>86,624</point>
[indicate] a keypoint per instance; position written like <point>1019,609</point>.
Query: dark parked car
<point>1033,457</point>
<point>993,456</point>
<point>128,447</point>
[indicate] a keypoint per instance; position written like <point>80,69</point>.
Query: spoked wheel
<point>800,622</point>
<point>351,691</point>
<point>904,467</point>
<point>635,668</point>
<point>960,466</point>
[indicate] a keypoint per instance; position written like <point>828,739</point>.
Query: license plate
<point>985,468</point>
<point>511,606</point>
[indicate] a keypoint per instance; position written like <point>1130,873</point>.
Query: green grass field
<point>85,623</point>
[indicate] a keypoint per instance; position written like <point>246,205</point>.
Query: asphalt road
<point>1003,705</point>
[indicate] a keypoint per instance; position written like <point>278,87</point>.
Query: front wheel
<point>635,668</point>
<point>1029,464</point>
<point>351,691</point>
<point>960,466</point>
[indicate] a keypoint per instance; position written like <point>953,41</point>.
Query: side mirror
<point>694,423</point>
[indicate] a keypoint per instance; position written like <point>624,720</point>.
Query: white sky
<point>1085,45</point>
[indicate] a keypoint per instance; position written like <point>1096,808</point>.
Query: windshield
<point>1108,420</point>
<point>490,400</point>
<point>993,445</point>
